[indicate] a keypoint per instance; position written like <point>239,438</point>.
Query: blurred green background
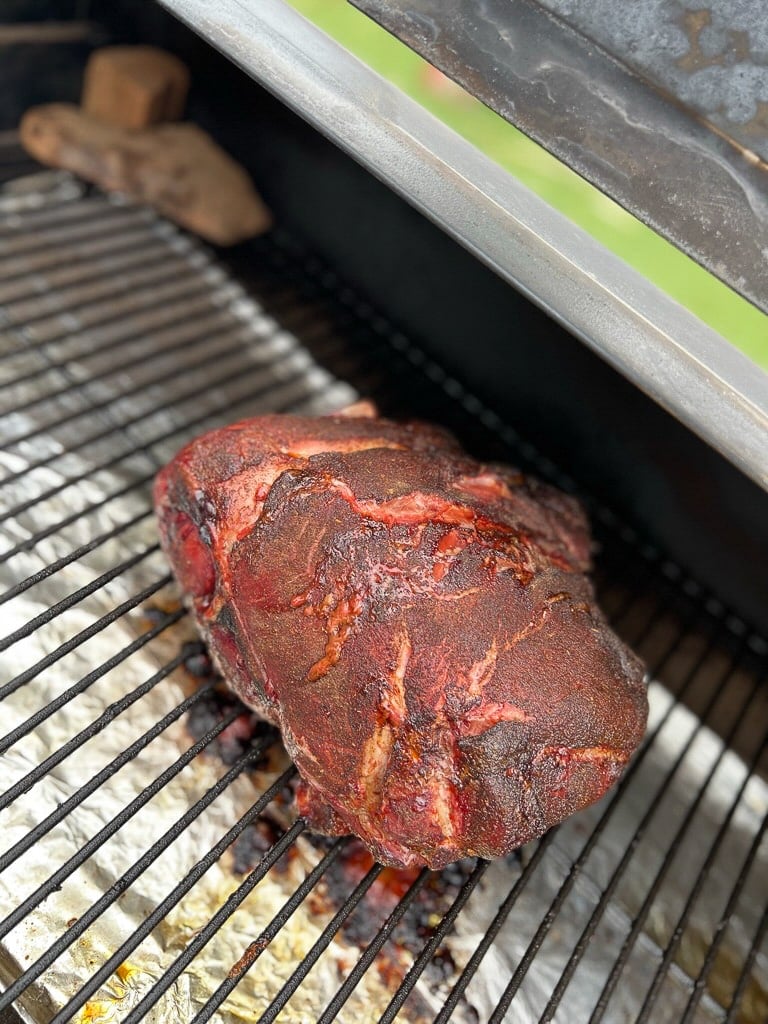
<point>713,302</point>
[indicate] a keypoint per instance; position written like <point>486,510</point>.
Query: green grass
<point>676,274</point>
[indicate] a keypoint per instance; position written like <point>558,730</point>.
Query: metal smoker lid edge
<point>688,368</point>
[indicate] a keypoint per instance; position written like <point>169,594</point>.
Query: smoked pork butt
<point>419,625</point>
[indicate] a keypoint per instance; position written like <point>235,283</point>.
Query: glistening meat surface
<point>419,626</point>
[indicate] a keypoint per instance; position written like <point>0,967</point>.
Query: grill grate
<point>128,892</point>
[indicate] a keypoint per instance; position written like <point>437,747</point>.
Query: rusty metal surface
<point>662,108</point>
<point>712,57</point>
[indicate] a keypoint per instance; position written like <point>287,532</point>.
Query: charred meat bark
<point>418,624</point>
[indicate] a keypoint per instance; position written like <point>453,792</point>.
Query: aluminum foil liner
<point>121,339</point>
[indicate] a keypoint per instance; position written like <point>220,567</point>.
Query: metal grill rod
<point>62,873</point>
<point>413,975</point>
<point>257,947</point>
<point>156,271</point>
<point>222,914</point>
<point>53,567</point>
<point>266,386</point>
<point>677,934</point>
<point>170,901</point>
<point>722,926</point>
<point>639,921</point>
<point>166,325</point>
<point>80,209</point>
<point>105,403</point>
<point>606,895</point>
<point>63,809</point>
<point>74,598</point>
<point>131,249</point>
<point>198,337</point>
<point>50,261</point>
<point>47,240</point>
<point>111,712</point>
<point>79,638</point>
<point>324,941</point>
<point>137,868</point>
<point>158,299</point>
<point>58,702</point>
<point>362,965</point>
<point>746,971</point>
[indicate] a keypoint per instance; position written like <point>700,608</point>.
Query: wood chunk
<point>135,86</point>
<point>176,168</point>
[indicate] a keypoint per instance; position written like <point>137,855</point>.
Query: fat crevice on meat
<point>419,625</point>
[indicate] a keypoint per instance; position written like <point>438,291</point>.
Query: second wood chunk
<point>135,86</point>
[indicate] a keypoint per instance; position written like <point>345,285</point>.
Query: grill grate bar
<point>369,954</point>
<point>44,240</point>
<point>605,897</point>
<point>157,299</point>
<point>493,929</point>
<point>323,942</point>
<point>266,374</point>
<point>225,911</point>
<point>73,556</point>
<point>746,972</point>
<point>721,927</point>
<point>197,338</point>
<point>125,881</point>
<point>154,271</point>
<point>413,975</point>
<point>286,382</point>
<point>85,634</point>
<point>54,882</point>
<point>126,755</point>
<point>31,542</point>
<point>105,403</point>
<point>74,598</point>
<point>27,287</point>
<point>637,924</point>
<point>52,706</point>
<point>169,322</point>
<point>109,714</point>
<point>69,211</point>
<point>257,947</point>
<point>505,908</point>
<point>674,942</point>
<point>178,892</point>
<point>49,261</point>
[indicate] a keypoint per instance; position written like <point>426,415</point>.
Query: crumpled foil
<point>121,339</point>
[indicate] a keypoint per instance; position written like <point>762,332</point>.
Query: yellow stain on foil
<point>127,971</point>
<point>97,1010</point>
<point>103,1011</point>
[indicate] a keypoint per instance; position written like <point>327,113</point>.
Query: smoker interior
<point>150,866</point>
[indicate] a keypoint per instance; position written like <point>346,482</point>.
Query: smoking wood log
<point>176,168</point>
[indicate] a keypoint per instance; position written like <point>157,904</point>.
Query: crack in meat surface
<point>419,625</point>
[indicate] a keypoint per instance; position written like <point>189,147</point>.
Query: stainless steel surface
<point>671,355</point>
<point>663,108</point>
<point>121,339</point>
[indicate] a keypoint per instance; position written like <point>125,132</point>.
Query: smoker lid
<point>683,364</point>
<point>662,106</point>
